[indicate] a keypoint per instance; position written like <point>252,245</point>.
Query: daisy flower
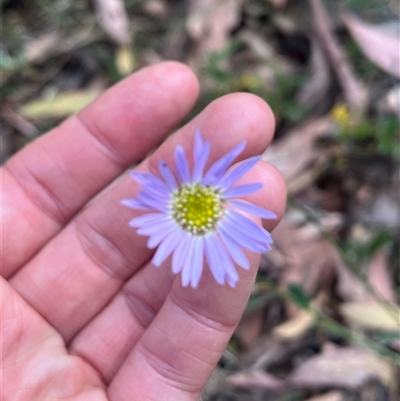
<point>198,216</point>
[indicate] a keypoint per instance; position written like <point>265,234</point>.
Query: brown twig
<point>354,91</point>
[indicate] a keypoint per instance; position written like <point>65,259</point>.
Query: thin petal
<point>182,165</point>
<point>198,144</point>
<point>159,227</point>
<point>135,204</point>
<point>249,227</point>
<point>188,263</point>
<point>167,246</point>
<point>225,260</point>
<point>235,252</point>
<point>238,172</point>
<point>147,219</point>
<point>152,201</point>
<point>218,169</point>
<point>242,190</point>
<point>179,254</point>
<point>212,255</point>
<point>156,238</point>
<point>242,240</point>
<point>200,162</point>
<point>232,283</point>
<point>253,209</point>
<point>149,181</point>
<point>197,260</point>
<point>168,175</point>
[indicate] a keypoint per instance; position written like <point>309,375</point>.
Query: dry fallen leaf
<point>210,22</point>
<point>18,122</point>
<point>294,328</point>
<point>51,44</point>
<point>354,91</point>
<point>62,105</point>
<point>296,151</point>
<point>125,60</point>
<point>250,327</point>
<point>347,368</point>
<point>315,93</point>
<point>329,396</point>
<point>256,379</point>
<point>380,277</point>
<point>379,44</point>
<point>372,315</point>
<point>114,20</point>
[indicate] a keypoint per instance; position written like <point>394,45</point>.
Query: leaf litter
<point>322,322</point>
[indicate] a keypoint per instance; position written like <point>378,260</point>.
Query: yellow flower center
<point>196,208</point>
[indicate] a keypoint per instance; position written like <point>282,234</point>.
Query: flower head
<point>196,215</point>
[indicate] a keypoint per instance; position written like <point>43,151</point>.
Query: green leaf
<point>389,336</point>
<point>298,296</point>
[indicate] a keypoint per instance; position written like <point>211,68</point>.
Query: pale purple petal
<point>148,219</point>
<point>253,209</point>
<point>135,204</point>
<point>200,162</point>
<point>182,165</point>
<point>225,260</point>
<point>168,175</point>
<point>152,202</point>
<point>231,282</point>
<point>188,263</point>
<point>197,260</point>
<point>212,255</point>
<point>178,257</point>
<point>249,227</point>
<point>157,237</point>
<point>242,190</point>
<point>218,169</point>
<point>237,172</point>
<point>240,238</point>
<point>167,246</point>
<point>149,181</point>
<point>235,252</point>
<point>158,227</point>
<point>198,144</point>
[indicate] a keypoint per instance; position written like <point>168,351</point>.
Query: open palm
<point>85,315</point>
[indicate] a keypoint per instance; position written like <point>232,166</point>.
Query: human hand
<point>85,315</point>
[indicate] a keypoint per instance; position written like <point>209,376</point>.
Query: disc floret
<point>197,208</point>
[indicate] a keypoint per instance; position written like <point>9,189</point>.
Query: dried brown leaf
<point>62,105</point>
<point>114,19</point>
<point>156,8</point>
<point>18,122</point>
<point>346,368</point>
<point>294,328</point>
<point>330,396</point>
<point>256,379</point>
<point>250,327</point>
<point>52,44</point>
<point>296,151</point>
<point>380,45</point>
<point>372,315</point>
<point>380,278</point>
<point>315,93</point>
<point>354,90</point>
<point>125,60</point>
<point>210,22</point>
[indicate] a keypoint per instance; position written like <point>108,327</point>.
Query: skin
<point>85,316</point>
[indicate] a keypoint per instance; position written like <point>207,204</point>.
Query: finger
<point>34,362</point>
<point>94,255</point>
<point>106,341</point>
<point>46,183</point>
